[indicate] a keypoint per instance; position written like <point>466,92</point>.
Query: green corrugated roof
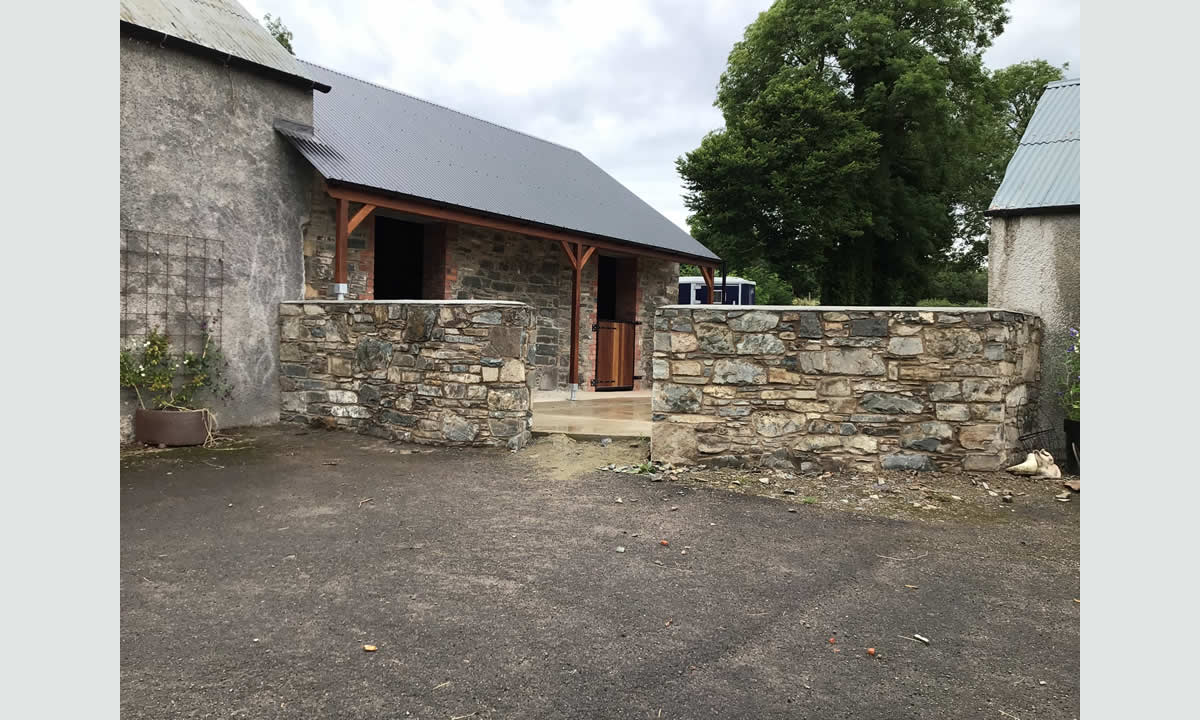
<point>1044,171</point>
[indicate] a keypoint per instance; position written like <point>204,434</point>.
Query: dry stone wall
<point>430,372</point>
<point>862,388</point>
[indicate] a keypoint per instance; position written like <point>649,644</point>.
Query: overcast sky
<point>630,84</point>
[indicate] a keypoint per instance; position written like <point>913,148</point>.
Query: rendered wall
<point>1033,267</point>
<point>431,372</point>
<point>213,202</point>
<point>864,388</point>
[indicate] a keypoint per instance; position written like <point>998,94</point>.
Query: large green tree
<point>1012,95</point>
<point>853,132</point>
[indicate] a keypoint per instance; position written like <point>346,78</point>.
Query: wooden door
<point>614,354</point>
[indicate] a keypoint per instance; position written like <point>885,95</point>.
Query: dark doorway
<point>399,259</point>
<point>616,315</point>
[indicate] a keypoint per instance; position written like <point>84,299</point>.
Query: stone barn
<point>250,179</point>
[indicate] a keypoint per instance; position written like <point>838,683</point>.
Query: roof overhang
<point>167,40</point>
<point>451,213</point>
<point>1043,210</point>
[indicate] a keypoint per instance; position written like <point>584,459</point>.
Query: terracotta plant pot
<point>171,427</point>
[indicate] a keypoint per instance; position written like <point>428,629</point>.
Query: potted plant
<point>166,386</point>
<point>1070,396</point>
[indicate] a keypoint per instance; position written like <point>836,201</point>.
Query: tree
<point>1013,93</point>
<point>1018,88</point>
<point>277,29</point>
<point>852,131</point>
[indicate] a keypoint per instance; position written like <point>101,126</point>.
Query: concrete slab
<point>593,414</point>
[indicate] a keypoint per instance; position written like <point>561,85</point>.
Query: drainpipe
<point>341,290</point>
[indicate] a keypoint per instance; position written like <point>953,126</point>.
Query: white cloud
<point>629,84</point>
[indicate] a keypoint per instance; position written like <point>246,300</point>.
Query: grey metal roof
<point>220,25</point>
<point>370,136</point>
<point>1044,171</point>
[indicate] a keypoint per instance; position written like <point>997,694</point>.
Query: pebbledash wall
<point>1033,266</point>
<point>430,372</point>
<point>466,262</point>
<point>861,388</point>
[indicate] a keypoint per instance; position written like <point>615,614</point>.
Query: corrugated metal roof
<point>371,136</point>
<point>1044,171</point>
<point>221,25</point>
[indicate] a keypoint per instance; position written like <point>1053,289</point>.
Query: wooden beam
<point>576,280</point>
<point>359,217</point>
<point>578,258</point>
<point>587,255</point>
<point>707,274</point>
<point>414,207</point>
<point>570,255</point>
<point>339,249</point>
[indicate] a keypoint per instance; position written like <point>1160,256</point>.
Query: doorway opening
<point>616,323</point>
<point>399,259</point>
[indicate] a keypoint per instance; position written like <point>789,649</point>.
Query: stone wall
<point>493,265</point>
<point>320,243</point>
<point>213,201</point>
<point>430,372</point>
<point>467,262</point>
<point>1033,267</point>
<point>861,388</point>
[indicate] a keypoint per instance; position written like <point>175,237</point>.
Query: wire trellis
<point>172,283</point>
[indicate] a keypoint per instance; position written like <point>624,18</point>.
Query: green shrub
<point>172,382</point>
<point>943,302</point>
<point>1070,381</point>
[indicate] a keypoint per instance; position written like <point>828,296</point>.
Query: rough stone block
<point>982,390</point>
<point>988,412</point>
<point>905,346</point>
<point>683,342</point>
<point>670,397</point>
<point>686,367</point>
<point>513,371</point>
<point>939,391</point>
<point>754,321</point>
<point>714,338</point>
<point>904,461</point>
<point>660,369</point>
<point>953,342</point>
<point>455,428</point>
<point>869,326</point>
<point>809,443</point>
<point>760,344</point>
<point>773,425</point>
<point>983,463</point>
<point>979,437</point>
<point>927,436</point>
<point>891,403</point>
<point>673,443</point>
<point>854,361</point>
<point>1018,396</point>
<point>808,325</point>
<point>952,411</point>
<point>738,372</point>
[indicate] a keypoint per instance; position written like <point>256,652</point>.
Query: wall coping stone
<point>842,308</point>
<point>320,301</point>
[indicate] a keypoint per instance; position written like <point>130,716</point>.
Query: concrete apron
<point>593,415</point>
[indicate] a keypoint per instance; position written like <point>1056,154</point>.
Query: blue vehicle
<point>738,291</point>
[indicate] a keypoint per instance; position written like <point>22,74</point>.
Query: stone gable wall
<point>864,388</point>
<point>435,373</point>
